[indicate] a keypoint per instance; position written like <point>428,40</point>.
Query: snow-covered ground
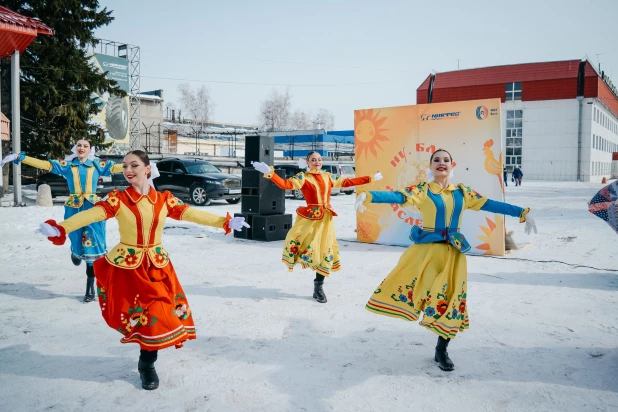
<point>543,335</point>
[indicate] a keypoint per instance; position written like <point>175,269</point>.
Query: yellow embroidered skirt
<point>312,244</point>
<point>430,278</point>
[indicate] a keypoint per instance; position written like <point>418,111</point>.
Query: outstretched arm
<point>476,201</point>
<point>18,158</point>
<point>293,183</point>
<point>356,181</point>
<point>181,211</point>
<point>57,232</point>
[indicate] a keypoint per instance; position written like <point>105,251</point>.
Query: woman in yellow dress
<point>139,293</point>
<point>311,242</point>
<point>432,274</point>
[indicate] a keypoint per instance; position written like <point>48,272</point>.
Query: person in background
<point>517,175</point>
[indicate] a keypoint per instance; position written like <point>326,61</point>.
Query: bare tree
<point>275,111</point>
<point>301,120</point>
<point>323,119</point>
<point>197,104</point>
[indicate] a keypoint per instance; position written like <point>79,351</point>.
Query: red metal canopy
<point>17,32</point>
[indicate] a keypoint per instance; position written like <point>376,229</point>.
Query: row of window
<point>603,145</point>
<point>514,136</point>
<point>601,168</point>
<point>604,120</point>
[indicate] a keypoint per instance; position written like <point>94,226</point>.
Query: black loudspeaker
<point>263,204</point>
<point>270,228</point>
<point>244,233</point>
<point>259,149</point>
<point>259,195</point>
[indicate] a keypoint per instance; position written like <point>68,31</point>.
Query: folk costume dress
<point>431,276</point>
<point>311,242</point>
<point>138,290</point>
<point>87,243</point>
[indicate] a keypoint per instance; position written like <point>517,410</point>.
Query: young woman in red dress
<point>138,290</point>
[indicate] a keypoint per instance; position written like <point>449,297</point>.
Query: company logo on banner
<point>439,116</point>
<point>481,113</point>
<point>114,116</point>
<point>398,142</point>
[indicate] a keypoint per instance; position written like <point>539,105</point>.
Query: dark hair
<point>310,153</point>
<point>439,150</point>
<point>143,156</point>
<point>86,139</point>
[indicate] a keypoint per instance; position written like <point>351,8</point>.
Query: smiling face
<point>135,170</point>
<point>441,164</point>
<point>82,147</point>
<point>314,161</point>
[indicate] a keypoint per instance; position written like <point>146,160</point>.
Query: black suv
<point>197,180</point>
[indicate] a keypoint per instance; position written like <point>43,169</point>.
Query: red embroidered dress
<point>139,293</point>
<point>312,242</point>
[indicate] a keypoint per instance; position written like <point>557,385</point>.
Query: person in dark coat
<point>505,176</point>
<point>517,175</point>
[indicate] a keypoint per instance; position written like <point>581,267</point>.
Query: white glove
<point>9,158</point>
<point>261,167</point>
<point>360,199</point>
<point>48,230</point>
<point>377,176</point>
<point>237,223</point>
<point>530,224</point>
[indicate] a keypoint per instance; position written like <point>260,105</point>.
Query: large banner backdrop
<point>398,141</point>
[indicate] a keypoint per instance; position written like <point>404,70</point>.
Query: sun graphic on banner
<point>494,239</point>
<point>367,132</point>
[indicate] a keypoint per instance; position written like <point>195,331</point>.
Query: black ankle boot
<point>76,261</point>
<point>148,375</point>
<point>444,362</point>
<point>318,292</point>
<point>89,296</point>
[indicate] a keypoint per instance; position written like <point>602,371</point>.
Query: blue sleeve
<point>103,167</point>
<point>387,197</point>
<point>502,208</point>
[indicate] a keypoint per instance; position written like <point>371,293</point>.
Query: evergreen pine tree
<point>57,77</point>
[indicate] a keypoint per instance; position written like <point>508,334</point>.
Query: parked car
<point>197,180</point>
<point>58,184</point>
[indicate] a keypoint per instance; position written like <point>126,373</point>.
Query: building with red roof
<point>559,119</point>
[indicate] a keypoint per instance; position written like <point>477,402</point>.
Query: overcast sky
<point>347,55</point>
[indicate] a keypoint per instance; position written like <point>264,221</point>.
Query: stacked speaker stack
<point>262,202</point>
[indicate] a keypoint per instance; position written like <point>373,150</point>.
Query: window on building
<point>513,91</point>
<point>514,137</point>
<point>594,109</point>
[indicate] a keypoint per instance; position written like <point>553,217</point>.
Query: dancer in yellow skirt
<point>432,274</point>
<point>311,242</point>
